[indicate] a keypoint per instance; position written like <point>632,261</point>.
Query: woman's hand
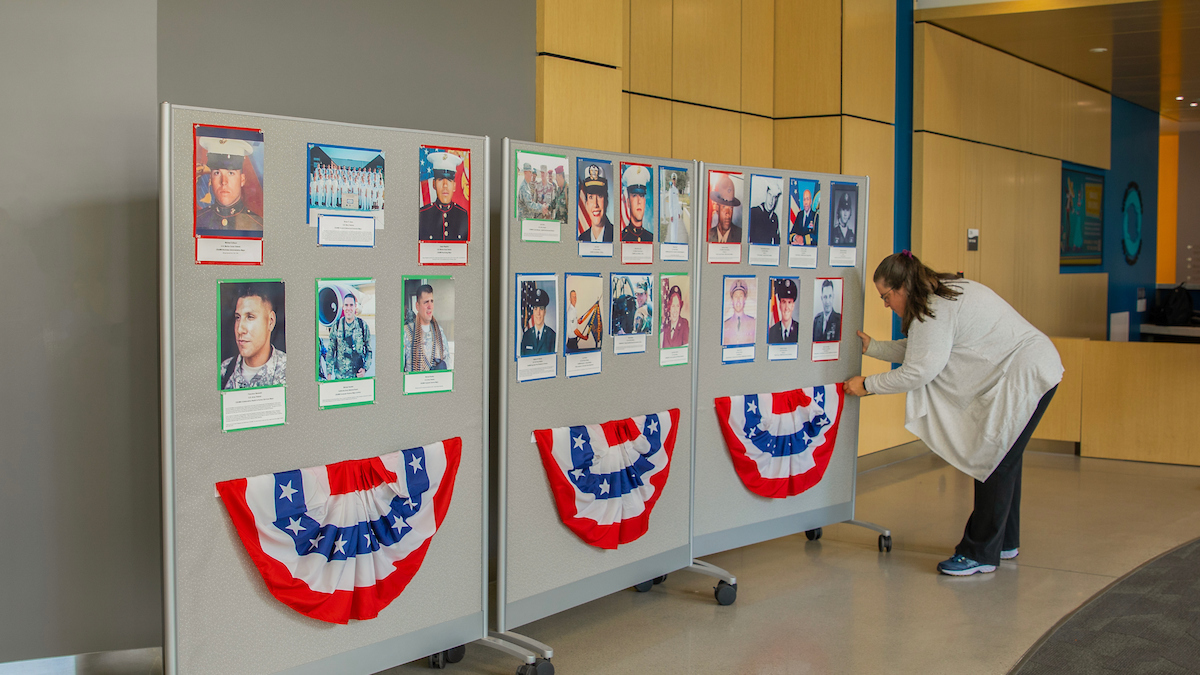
<point>866,340</point>
<point>856,386</point>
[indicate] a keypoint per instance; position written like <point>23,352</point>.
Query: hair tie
<point>907,253</point>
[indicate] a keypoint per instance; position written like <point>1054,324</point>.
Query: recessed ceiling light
<point>1098,50</point>
<point>1194,104</point>
<point>1178,98</point>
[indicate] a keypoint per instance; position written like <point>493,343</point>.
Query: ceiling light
<point>1098,50</point>
<point>1178,98</point>
<point>1194,104</point>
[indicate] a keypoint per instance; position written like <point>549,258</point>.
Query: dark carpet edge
<point>1087,603</point>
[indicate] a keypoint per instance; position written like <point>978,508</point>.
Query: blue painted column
<point>902,218</point>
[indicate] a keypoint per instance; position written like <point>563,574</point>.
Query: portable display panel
<point>727,515</point>
<point>543,567</point>
<point>219,615</point>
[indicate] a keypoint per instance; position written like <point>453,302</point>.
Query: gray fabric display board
<point>220,617</point>
<point>544,567</point>
<point>727,514</point>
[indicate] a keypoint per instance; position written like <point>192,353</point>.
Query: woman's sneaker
<point>961,566</point>
<point>1010,553</point>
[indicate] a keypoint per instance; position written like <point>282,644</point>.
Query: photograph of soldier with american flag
<point>584,328</point>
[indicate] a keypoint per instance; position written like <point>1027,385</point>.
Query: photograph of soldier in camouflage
<point>428,323</point>
<point>541,189</point>
<point>253,338</point>
<point>345,329</point>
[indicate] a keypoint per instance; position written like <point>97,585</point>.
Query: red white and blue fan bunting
<point>607,477</point>
<point>341,541</point>
<point>781,442</point>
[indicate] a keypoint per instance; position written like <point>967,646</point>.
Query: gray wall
<point>79,405</point>
<point>1189,208</point>
<point>79,412</point>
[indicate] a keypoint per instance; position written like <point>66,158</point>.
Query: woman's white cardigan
<point>974,374</point>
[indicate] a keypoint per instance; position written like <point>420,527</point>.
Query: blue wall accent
<point>1134,159</point>
<point>902,216</point>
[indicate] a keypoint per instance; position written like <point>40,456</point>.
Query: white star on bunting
<point>578,441</point>
<point>415,464</point>
<point>340,545</point>
<point>315,541</point>
<point>654,426</point>
<point>294,525</point>
<point>752,407</point>
<point>604,487</point>
<point>286,491</point>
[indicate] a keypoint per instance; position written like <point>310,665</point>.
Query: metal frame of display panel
<point>392,645</point>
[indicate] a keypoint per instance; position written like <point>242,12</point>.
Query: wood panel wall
<point>1061,422</point>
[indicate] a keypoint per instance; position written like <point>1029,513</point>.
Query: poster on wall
<point>428,334</point>
<point>783,336</point>
<point>227,194</point>
<point>540,195</point>
<point>827,319</point>
<point>444,221</point>
<point>583,331</point>
<point>738,321</point>
<point>536,338</point>
<point>804,223</point>
<point>637,213</point>
<point>346,339</point>
<point>595,209</point>
<point>1081,231</point>
<point>766,215</point>
<point>345,194</point>
<point>675,298</point>
<point>251,356</point>
<point>632,316</point>
<point>675,213</point>
<point>843,230</point>
<point>723,223</point>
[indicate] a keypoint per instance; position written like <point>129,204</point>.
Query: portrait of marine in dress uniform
<point>785,329</point>
<point>827,310</point>
<point>538,336</point>
<point>767,211</point>
<point>637,203</point>
<point>346,324</point>
<point>804,212</point>
<point>724,208</point>
<point>738,310</point>
<point>594,217</point>
<point>541,192</point>
<point>445,214</point>
<point>843,231</point>
<point>253,335</point>
<point>229,182</point>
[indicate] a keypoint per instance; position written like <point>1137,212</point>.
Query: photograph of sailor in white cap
<point>595,205</point>
<point>445,214</point>
<point>768,210</point>
<point>637,203</point>
<point>228,182</point>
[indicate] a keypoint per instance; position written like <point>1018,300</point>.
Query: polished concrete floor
<point>839,606</point>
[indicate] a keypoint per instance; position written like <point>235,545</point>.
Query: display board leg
<point>536,656</point>
<point>885,535</point>
<point>726,589</point>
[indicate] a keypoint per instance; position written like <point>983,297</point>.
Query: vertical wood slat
<point>706,53</point>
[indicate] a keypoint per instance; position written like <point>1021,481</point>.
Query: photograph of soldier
<point>637,203</point>
<point>784,330</point>
<point>594,220</point>
<point>844,229</point>
<point>445,175</point>
<point>584,327</point>
<point>428,324</point>
<point>724,207</point>
<point>344,180</point>
<point>229,182</point>
<point>675,212</point>
<point>675,292</point>
<point>345,329</point>
<point>738,310</point>
<point>541,189</point>
<point>767,212</point>
<point>804,212</point>
<point>535,318</point>
<point>827,310</point>
<point>632,304</point>
<point>253,335</point>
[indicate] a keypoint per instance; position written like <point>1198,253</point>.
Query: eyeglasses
<point>885,296</point>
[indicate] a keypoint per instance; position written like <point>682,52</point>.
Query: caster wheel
<point>456,654</point>
<point>813,535</point>
<point>543,667</point>
<point>527,669</point>
<point>644,586</point>
<point>885,544</point>
<point>659,580</point>
<point>438,660</point>
<point>725,593</point>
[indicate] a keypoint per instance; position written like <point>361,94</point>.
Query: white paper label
<point>333,230</point>
<point>673,356</point>
<point>783,352</point>
<point>583,363</point>
<point>428,381</point>
<point>589,249</point>
<point>629,344</point>
<point>842,257</point>
<point>802,257</point>
<point>251,408</point>
<point>637,254</point>
<point>764,254</point>
<point>442,253</point>
<point>349,200</point>
<point>724,253</point>
<point>541,230</point>
<point>737,354</point>
<point>218,250</point>
<point>532,368</point>
<point>346,392</point>
<point>673,252</point>
<point>826,351</point>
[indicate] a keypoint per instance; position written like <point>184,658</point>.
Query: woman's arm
<point>891,351</point>
<point>925,355</point>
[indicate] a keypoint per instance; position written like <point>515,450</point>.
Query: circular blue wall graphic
<point>1131,223</point>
